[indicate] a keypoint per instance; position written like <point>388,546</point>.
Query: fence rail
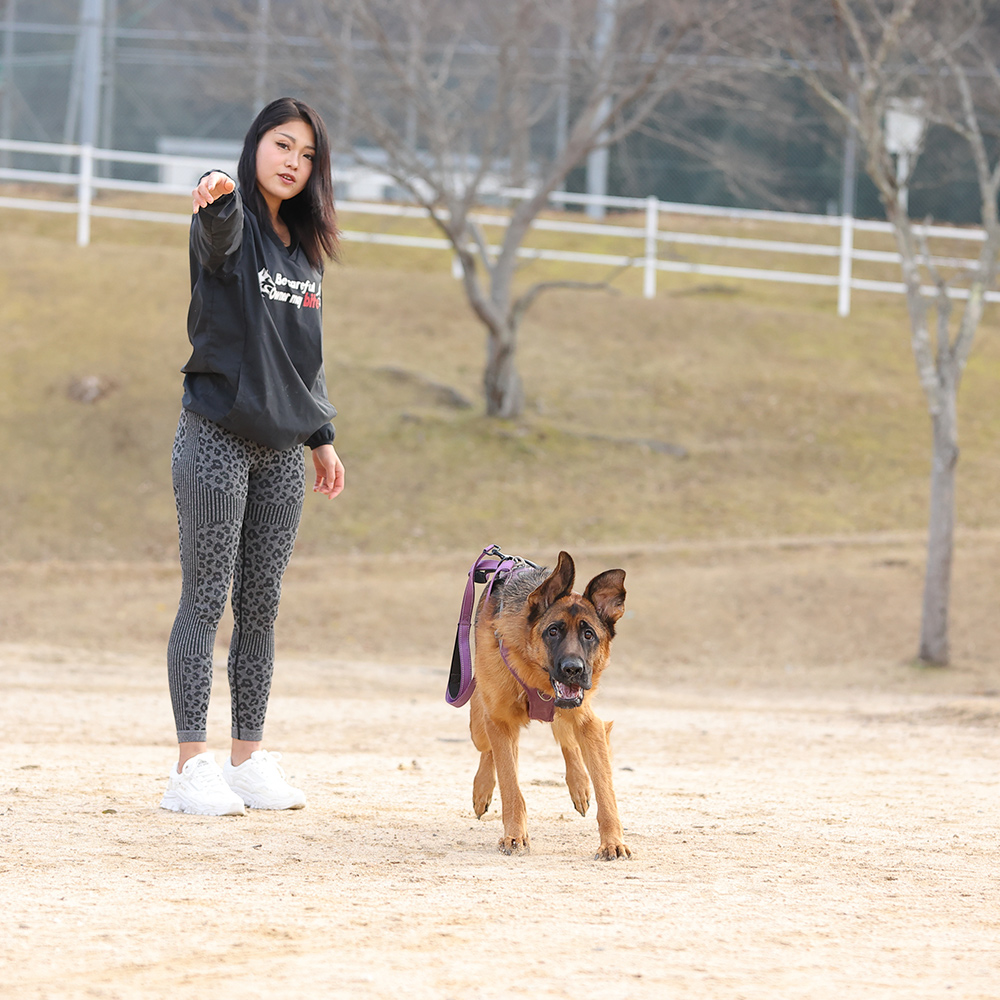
<point>86,182</point>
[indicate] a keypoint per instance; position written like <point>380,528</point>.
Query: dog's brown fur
<point>550,634</point>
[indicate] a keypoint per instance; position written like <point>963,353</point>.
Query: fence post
<point>652,232</point>
<point>846,254</point>
<point>847,218</point>
<point>84,195</point>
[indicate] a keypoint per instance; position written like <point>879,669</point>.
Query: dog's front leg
<point>597,756</point>
<point>503,740</point>
<point>482,786</point>
<point>577,780</point>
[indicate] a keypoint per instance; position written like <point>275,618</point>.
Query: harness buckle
<point>509,564</point>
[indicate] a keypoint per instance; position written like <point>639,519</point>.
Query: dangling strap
<point>491,566</point>
<point>460,680</point>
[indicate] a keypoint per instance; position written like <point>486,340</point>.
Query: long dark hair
<point>310,215</point>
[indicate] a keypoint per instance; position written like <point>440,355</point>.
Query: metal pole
<point>561,132</point>
<point>91,24</point>
<point>344,138</point>
<point>72,118</point>
<point>410,124</point>
<point>260,85</point>
<point>652,231</point>
<point>847,218</point>
<point>562,92</point>
<point>902,180</point>
<point>7,80</point>
<point>597,161</point>
<point>597,171</point>
<point>109,79</point>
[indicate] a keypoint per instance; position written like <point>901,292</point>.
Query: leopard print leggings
<point>238,509</point>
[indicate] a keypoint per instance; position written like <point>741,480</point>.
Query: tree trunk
<point>501,381</point>
<point>940,536</point>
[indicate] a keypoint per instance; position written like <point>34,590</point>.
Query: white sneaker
<point>201,789</point>
<point>260,782</point>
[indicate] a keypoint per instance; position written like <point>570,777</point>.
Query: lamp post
<point>905,126</point>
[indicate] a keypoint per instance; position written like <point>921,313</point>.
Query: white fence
<point>651,261</point>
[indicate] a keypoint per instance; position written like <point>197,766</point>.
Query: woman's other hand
<point>329,471</point>
<point>210,187</point>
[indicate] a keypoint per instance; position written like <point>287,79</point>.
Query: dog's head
<point>571,632</point>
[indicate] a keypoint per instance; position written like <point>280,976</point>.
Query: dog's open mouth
<point>568,695</point>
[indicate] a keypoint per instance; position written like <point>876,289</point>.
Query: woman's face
<point>285,161</point>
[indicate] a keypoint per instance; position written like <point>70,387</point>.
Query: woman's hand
<point>329,471</point>
<point>210,187</point>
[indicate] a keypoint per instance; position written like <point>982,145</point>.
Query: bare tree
<point>933,68</point>
<point>455,94</point>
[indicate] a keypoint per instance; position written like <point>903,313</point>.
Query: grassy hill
<point>793,421</point>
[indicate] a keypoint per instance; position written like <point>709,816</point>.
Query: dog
<point>539,643</point>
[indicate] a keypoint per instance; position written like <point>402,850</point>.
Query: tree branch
<point>527,298</point>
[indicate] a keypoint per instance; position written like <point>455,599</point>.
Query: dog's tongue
<point>567,692</point>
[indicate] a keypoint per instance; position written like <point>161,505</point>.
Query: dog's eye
<point>553,631</point>
<point>588,635</point>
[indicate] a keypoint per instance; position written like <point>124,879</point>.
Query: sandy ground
<point>811,815</point>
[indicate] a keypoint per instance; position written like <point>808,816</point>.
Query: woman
<point>254,393</point>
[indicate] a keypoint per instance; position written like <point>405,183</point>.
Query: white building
<point>357,177</point>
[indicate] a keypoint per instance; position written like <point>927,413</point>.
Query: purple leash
<point>490,565</point>
<point>461,683</point>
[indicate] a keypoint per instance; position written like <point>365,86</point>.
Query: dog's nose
<point>572,669</point>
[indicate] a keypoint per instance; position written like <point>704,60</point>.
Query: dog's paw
<point>514,845</point>
<point>581,799</point>
<point>613,850</point>
<point>481,799</point>
<point>483,785</point>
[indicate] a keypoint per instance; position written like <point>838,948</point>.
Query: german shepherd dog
<point>535,637</point>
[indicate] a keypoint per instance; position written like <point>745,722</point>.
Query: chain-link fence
<point>180,77</point>
<point>159,77</point>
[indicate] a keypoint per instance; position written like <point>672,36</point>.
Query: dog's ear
<point>558,584</point>
<point>607,593</point>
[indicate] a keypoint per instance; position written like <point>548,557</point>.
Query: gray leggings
<point>238,509</point>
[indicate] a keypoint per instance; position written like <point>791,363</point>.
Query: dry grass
<point>808,811</point>
<point>794,422</point>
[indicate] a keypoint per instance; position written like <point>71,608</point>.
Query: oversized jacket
<point>256,331</point>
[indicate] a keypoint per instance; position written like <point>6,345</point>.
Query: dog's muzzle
<point>571,679</point>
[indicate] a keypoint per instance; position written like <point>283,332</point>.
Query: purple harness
<point>491,565</point>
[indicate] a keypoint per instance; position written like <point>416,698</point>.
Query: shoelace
<point>206,775</point>
<point>268,761</point>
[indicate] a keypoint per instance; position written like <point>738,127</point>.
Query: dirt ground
<point>811,814</point>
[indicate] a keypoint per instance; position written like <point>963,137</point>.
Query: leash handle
<point>490,563</point>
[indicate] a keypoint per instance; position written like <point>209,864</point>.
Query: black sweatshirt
<point>255,326</point>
